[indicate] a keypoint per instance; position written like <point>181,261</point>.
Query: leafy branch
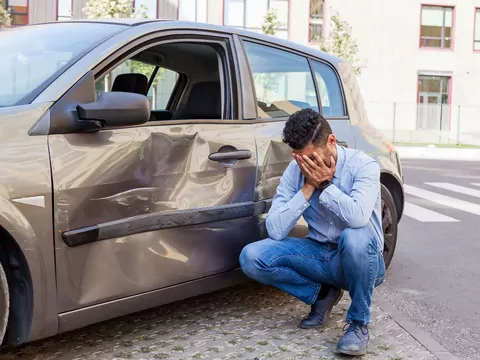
<point>268,81</point>
<point>270,22</point>
<point>5,18</point>
<point>117,9</point>
<point>342,44</point>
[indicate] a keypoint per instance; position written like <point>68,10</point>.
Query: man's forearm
<point>280,221</point>
<point>356,208</point>
<point>308,191</point>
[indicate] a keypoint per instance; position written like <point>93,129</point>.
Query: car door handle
<point>231,155</point>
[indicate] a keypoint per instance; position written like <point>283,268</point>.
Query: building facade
<point>420,60</point>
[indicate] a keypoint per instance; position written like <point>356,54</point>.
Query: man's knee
<point>356,242</point>
<point>251,257</point>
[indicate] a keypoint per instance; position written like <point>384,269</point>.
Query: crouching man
<point>337,190</point>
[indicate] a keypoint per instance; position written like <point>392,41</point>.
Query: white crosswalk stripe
<point>424,215</point>
<point>456,188</point>
<point>444,200</point>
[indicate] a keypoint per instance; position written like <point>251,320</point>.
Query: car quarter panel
<point>26,207</point>
<point>368,138</point>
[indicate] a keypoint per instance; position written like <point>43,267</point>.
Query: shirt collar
<point>340,161</point>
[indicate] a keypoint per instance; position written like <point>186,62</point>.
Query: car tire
<point>389,225</point>
<point>4,303</point>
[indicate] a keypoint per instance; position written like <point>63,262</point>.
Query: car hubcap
<point>387,221</point>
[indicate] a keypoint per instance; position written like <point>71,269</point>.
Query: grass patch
<point>124,355</point>
<point>161,356</point>
<point>384,347</point>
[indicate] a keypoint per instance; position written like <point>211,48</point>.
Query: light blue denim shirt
<point>352,200</point>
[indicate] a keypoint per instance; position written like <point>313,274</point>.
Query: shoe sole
<point>337,300</point>
<point>353,353</point>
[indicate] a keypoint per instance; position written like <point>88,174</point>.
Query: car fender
<point>26,212</point>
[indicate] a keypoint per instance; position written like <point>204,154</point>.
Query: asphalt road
<point>434,278</point>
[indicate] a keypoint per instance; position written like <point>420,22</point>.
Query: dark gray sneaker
<point>321,309</point>
<point>354,341</point>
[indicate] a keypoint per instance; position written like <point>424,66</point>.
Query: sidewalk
<point>434,153</point>
<point>244,322</point>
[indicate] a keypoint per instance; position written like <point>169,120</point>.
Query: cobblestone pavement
<point>243,322</point>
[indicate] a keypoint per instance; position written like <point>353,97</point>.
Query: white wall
<point>388,36</point>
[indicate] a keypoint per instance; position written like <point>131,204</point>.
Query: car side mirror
<point>116,109</point>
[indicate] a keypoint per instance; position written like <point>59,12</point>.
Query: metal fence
<point>426,123</point>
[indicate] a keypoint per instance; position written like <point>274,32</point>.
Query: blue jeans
<point>300,267</point>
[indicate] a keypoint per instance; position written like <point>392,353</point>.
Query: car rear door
<point>283,82</point>
<point>173,199</point>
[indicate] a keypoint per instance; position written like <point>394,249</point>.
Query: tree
<point>117,9</point>
<point>270,22</point>
<point>268,81</point>
<point>341,43</point>
<point>5,19</point>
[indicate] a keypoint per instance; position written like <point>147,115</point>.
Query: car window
<point>33,56</point>
<point>159,92</point>
<point>329,90</point>
<point>283,81</point>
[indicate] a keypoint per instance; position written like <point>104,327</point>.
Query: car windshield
<point>33,56</point>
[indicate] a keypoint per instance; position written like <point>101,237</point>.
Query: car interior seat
<point>204,102</point>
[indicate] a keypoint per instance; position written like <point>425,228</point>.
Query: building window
<point>436,27</point>
<point>476,37</point>
<point>18,10</point>
<point>316,20</point>
<point>249,14</point>
<point>64,10</point>
<point>192,10</point>
<point>149,5</point>
<point>433,102</point>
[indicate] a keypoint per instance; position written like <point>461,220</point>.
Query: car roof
<point>212,27</point>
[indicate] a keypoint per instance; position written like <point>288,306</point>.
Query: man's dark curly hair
<point>304,127</point>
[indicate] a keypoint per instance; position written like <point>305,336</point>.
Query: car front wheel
<point>389,225</point>
<point>4,303</point>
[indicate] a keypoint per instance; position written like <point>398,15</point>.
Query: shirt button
<point>331,223</point>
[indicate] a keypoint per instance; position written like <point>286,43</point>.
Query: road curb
<point>416,332</point>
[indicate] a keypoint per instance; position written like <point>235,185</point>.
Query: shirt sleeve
<point>356,208</point>
<point>288,206</point>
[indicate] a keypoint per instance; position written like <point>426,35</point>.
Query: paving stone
<point>245,322</point>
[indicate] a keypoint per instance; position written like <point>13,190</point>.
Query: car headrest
<point>134,83</point>
<point>204,101</point>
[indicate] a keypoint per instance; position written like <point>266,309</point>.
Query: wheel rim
<point>387,226</point>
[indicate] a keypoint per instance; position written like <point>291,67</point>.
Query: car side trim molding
<point>163,220</point>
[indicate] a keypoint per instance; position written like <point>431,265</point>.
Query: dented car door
<point>144,208</point>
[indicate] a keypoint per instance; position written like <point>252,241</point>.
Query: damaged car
<point>138,159</point>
